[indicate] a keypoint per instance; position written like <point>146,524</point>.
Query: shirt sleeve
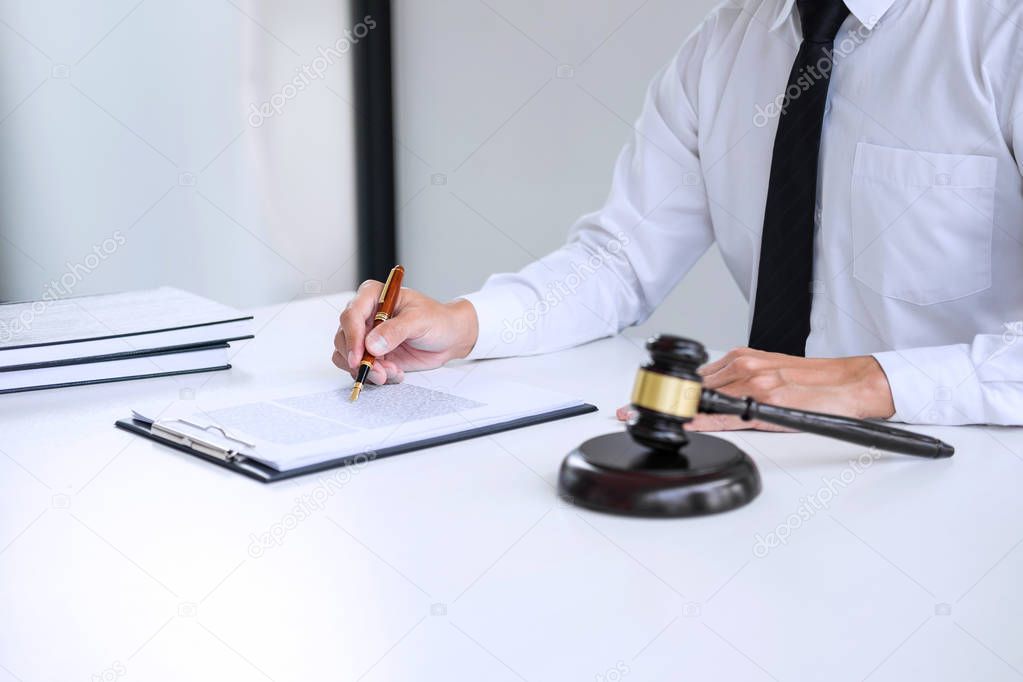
<point>622,261</point>
<point>975,383</point>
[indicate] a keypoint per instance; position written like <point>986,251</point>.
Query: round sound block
<point>615,474</point>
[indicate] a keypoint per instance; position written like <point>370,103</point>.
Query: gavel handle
<point>868,434</point>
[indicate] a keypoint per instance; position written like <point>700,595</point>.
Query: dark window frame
<point>376,221</point>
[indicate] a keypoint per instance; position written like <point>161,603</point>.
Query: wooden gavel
<point>669,392</point>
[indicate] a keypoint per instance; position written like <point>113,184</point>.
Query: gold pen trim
<point>387,285</point>
<point>382,317</point>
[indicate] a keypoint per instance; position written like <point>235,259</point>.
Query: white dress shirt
<point>919,245</point>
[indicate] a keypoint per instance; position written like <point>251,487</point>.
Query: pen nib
<point>356,390</point>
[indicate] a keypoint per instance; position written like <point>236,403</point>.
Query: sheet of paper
<point>317,416</point>
<point>317,422</point>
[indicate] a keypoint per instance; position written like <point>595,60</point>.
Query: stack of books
<point>54,343</point>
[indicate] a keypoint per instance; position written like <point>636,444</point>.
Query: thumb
<point>390,334</point>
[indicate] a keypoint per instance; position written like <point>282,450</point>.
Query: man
<point>859,166</point>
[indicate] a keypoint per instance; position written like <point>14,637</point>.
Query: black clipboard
<point>265,474</point>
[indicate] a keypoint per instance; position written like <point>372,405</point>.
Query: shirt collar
<point>868,12</point>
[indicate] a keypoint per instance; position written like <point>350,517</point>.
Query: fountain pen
<point>385,308</point>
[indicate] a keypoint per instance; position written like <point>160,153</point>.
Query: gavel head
<point>667,393</point>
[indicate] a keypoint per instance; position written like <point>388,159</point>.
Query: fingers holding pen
<point>355,320</point>
<point>382,372</point>
<point>356,328</point>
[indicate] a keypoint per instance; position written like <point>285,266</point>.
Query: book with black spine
<point>142,365</point>
<point>37,334</point>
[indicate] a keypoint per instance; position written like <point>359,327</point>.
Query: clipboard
<point>171,434</point>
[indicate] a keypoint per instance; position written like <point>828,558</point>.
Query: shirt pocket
<point>922,223</point>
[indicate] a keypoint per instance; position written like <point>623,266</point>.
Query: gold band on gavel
<point>667,394</point>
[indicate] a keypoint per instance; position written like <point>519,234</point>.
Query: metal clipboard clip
<point>164,430</point>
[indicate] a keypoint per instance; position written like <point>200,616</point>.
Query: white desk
<point>121,559</point>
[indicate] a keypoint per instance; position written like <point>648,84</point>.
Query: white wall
<point>499,155</point>
<point>129,122</point>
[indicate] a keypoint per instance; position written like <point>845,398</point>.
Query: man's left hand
<point>851,387</point>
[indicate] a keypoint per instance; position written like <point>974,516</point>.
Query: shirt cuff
<point>498,312</point>
<point>936,385</point>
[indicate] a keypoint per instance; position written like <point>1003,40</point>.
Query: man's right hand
<point>423,333</point>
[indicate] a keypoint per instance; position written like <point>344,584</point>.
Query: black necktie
<point>781,314</point>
